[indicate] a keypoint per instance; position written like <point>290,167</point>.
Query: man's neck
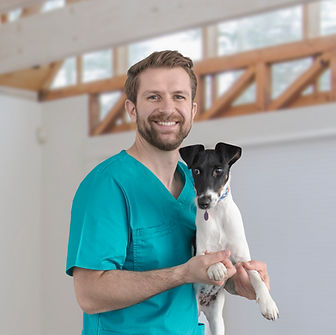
<point>161,163</point>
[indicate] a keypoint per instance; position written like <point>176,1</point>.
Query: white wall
<point>65,123</point>
<point>20,230</point>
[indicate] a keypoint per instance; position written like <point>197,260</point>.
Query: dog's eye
<point>196,171</point>
<point>218,172</point>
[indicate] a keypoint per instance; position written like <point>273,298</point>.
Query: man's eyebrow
<point>183,92</point>
<point>151,92</point>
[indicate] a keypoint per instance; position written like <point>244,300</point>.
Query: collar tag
<point>206,216</point>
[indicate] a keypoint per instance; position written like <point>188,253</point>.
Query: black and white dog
<point>220,226</point>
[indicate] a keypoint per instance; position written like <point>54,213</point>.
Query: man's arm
<point>102,291</point>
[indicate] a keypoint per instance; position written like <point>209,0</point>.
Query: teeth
<point>167,123</point>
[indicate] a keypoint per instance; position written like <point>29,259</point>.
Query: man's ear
<point>229,153</point>
<point>194,110</point>
<point>189,153</point>
<point>130,109</point>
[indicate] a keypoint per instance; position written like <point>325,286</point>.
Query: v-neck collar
<point>179,169</point>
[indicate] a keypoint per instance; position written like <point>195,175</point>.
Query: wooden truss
<point>256,66</point>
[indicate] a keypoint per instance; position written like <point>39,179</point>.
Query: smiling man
<point>133,217</point>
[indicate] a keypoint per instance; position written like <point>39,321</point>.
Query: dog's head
<point>210,169</point>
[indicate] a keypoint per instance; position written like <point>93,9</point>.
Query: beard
<point>153,136</point>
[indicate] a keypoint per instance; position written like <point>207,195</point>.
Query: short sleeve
<point>99,231</point>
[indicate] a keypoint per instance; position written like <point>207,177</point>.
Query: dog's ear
<point>229,152</point>
<point>189,153</point>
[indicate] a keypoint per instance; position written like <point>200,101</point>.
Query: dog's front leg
<point>268,308</point>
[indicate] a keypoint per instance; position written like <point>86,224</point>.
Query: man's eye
<point>179,97</point>
<point>153,97</point>
<point>196,171</point>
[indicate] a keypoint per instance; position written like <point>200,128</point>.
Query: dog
<point>219,226</point>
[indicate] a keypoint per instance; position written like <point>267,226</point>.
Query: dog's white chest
<point>211,234</point>
<point>222,229</point>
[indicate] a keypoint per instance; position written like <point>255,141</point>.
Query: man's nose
<point>167,104</point>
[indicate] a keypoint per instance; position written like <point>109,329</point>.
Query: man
<point>133,217</point>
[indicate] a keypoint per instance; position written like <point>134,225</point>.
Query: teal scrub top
<point>124,218</point>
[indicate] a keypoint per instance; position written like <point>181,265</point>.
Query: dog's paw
<point>268,307</point>
<point>217,272</point>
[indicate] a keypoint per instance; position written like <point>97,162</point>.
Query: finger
<point>241,272</point>
<point>228,264</point>
<point>261,268</point>
<point>255,265</point>
<point>218,256</point>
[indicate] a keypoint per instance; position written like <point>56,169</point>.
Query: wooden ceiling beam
<point>221,104</point>
<point>99,86</point>
<point>275,54</point>
<point>333,74</point>
<point>55,67</point>
<point>111,117</point>
<point>301,83</point>
<point>264,85</point>
<point>27,11</point>
<point>94,112</point>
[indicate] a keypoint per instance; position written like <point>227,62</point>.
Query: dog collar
<point>223,196</point>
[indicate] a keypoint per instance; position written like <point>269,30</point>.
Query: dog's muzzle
<point>204,201</point>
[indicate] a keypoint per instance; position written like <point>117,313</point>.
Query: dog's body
<point>220,226</point>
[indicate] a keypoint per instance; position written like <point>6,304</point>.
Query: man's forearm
<point>101,291</point>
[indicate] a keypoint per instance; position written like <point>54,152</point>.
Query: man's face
<point>164,110</point>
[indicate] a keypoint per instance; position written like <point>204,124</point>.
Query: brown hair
<point>168,59</point>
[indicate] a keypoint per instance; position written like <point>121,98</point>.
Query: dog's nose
<point>204,201</point>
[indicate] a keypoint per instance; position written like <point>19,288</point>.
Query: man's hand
<point>241,280</point>
<point>196,269</point>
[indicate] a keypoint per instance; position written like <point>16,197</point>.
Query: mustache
<point>161,117</point>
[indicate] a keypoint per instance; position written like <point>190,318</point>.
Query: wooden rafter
<point>94,112</point>
<point>301,83</point>
<point>111,117</point>
<point>3,18</point>
<point>28,11</point>
<point>99,86</point>
<point>221,104</point>
<point>275,54</point>
<point>333,74</point>
<point>264,87</point>
<point>55,67</point>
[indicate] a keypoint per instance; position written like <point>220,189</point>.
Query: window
<point>53,4</point>
<point>66,75</point>
<point>284,74</point>
<point>107,101</point>
<point>97,65</point>
<point>227,79</point>
<point>328,17</point>
<point>260,31</point>
<point>189,43</point>
<point>14,15</point>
